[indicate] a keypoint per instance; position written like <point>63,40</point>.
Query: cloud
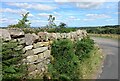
<point>35,6</point>
<point>46,15</point>
<point>73,18</point>
<point>8,21</point>
<point>17,11</point>
<point>43,14</point>
<point>89,5</point>
<point>56,13</point>
<point>86,0</point>
<point>88,19</point>
<point>108,20</point>
<point>95,16</point>
<point>38,23</point>
<point>30,15</point>
<point>58,0</point>
<point>84,4</point>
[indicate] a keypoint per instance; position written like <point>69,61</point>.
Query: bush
<point>11,61</point>
<point>68,57</point>
<point>61,30</point>
<point>65,62</point>
<point>83,48</point>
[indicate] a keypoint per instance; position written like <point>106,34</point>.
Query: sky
<point>73,13</point>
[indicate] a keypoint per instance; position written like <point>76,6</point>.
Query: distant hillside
<point>103,29</point>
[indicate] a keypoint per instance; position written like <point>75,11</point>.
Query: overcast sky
<point>74,14</point>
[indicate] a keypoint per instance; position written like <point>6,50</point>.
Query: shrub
<point>66,62</point>
<point>83,48</point>
<point>69,58</point>
<point>11,61</point>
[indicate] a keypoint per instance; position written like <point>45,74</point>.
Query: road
<point>110,48</point>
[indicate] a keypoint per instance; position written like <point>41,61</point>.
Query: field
<point>113,36</point>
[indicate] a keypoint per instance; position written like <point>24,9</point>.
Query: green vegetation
<point>113,36</point>
<point>103,29</point>
<point>90,67</point>
<point>83,48</point>
<point>73,61</point>
<point>65,61</point>
<point>61,30</point>
<point>23,23</point>
<point>62,25</point>
<point>12,67</point>
<point>51,23</point>
<point>49,30</point>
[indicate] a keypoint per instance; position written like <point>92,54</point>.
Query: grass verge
<point>91,67</point>
<point>113,36</point>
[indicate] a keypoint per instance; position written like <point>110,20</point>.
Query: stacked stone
<point>36,48</point>
<point>36,53</point>
<point>37,57</point>
<point>77,35</point>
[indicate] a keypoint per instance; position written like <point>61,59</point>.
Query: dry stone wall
<point>36,48</point>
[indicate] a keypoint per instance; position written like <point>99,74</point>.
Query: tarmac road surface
<point>110,66</point>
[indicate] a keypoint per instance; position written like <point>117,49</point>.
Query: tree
<point>23,23</point>
<point>62,25</point>
<point>51,20</point>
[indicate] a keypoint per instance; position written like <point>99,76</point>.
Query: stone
<point>33,74</point>
<point>79,38</point>
<point>50,42</point>
<point>39,50</point>
<point>47,61</point>
<point>79,32</point>
<point>4,34</point>
<point>58,35</point>
<point>37,45</point>
<point>54,35</point>
<point>47,53</point>
<point>43,69</point>
<point>73,35</point>
<point>20,47</point>
<point>29,39</point>
<point>40,44</point>
<point>14,40</point>
<point>45,43</point>
<point>68,36</point>
<point>32,58</point>
<point>21,40</point>
<point>31,67</point>
<point>42,36</point>
<point>63,35</point>
<point>40,57</point>
<point>16,33</point>
<point>28,52</point>
<point>28,47</point>
<point>40,66</point>
<point>24,60</point>
<point>49,36</point>
<point>35,36</point>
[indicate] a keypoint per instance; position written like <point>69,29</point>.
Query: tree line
<point>113,29</point>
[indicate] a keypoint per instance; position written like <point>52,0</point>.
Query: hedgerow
<point>67,58</point>
<point>65,61</point>
<point>83,48</point>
